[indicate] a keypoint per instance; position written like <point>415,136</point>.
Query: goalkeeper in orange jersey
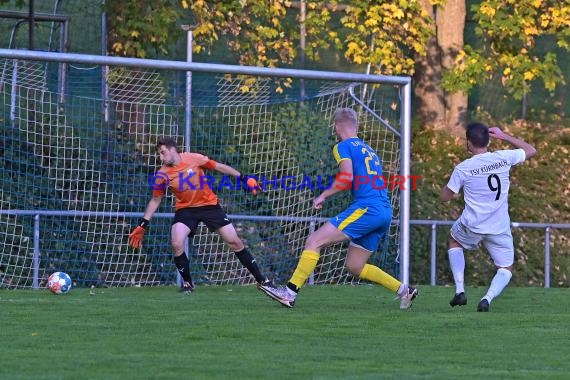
<point>195,203</point>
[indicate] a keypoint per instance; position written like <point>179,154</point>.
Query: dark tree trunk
<point>437,108</point>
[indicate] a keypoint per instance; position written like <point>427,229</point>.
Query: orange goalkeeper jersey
<point>186,181</point>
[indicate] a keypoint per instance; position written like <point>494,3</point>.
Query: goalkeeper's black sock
<point>183,265</point>
<point>247,260</point>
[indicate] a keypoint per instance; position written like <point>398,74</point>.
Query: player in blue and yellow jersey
<point>363,223</point>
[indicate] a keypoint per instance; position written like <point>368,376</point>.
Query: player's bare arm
<point>497,133</point>
<point>226,169</point>
<point>344,169</point>
<point>137,235</point>
<point>446,194</point>
<point>151,207</point>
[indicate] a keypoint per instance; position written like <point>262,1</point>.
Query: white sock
<point>457,264</point>
<point>499,282</point>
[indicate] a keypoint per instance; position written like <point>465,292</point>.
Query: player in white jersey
<point>485,219</point>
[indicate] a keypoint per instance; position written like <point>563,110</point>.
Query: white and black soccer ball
<point>59,283</point>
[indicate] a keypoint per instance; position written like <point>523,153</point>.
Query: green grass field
<point>236,332</point>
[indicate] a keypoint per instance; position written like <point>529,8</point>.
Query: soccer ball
<point>59,283</point>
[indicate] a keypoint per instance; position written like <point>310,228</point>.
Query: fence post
<point>433,253</point>
<point>36,257</point>
<point>547,258</point>
<point>311,280</point>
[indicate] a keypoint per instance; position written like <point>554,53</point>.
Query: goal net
<point>76,170</point>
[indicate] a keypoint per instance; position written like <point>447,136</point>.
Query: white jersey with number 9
<point>485,182</point>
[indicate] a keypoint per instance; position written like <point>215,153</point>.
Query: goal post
<point>76,168</point>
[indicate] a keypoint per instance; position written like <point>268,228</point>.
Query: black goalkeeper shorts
<point>213,217</point>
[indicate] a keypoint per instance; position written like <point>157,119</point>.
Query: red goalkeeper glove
<point>250,184</point>
<point>136,237</point>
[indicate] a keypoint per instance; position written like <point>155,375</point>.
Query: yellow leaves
<point>134,34</point>
<point>349,24</point>
<point>537,3</point>
<point>184,4</point>
<point>507,71</point>
<point>419,47</point>
<point>460,57</point>
<point>117,47</point>
<point>206,29</point>
<point>398,14</point>
<point>550,84</point>
<point>437,2</point>
<point>276,7</point>
<point>352,46</point>
<point>528,75</point>
<point>371,22</point>
<point>531,30</point>
<point>486,9</point>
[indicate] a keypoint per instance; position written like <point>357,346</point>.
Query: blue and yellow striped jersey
<point>368,182</point>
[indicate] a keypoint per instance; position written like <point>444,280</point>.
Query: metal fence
<point>433,224</point>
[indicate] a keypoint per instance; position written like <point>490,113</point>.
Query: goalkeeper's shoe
<point>187,287</point>
<point>408,294</point>
<point>281,295</point>
<point>460,299</point>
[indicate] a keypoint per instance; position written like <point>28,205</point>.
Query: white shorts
<point>500,246</point>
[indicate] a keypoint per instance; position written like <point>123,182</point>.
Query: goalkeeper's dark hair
<point>168,142</point>
<point>477,134</point>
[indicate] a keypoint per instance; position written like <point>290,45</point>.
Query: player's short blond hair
<point>346,115</point>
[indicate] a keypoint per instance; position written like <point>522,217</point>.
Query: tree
<point>384,36</point>
<point>139,28</point>
<point>376,37</point>
<point>423,38</point>
<point>510,31</point>
<point>438,108</point>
